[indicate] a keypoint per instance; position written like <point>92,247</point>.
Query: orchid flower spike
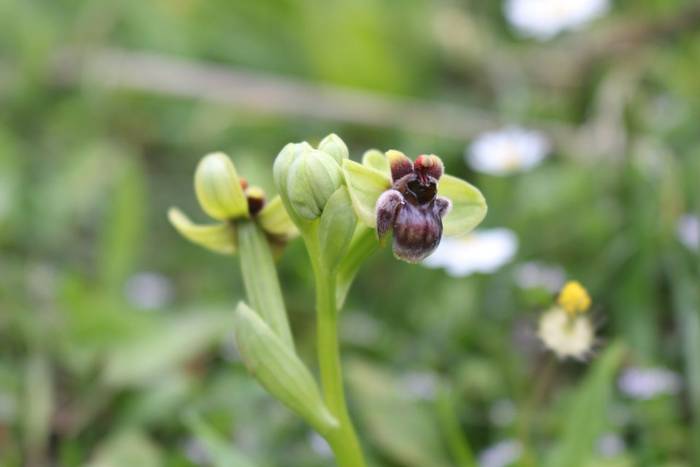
<point>415,201</point>
<point>227,198</point>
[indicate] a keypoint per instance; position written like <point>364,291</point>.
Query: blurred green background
<point>115,341</point>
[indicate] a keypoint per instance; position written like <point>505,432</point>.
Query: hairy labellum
<point>411,208</point>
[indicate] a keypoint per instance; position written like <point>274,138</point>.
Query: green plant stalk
<point>343,441</point>
<point>456,441</point>
<point>260,279</point>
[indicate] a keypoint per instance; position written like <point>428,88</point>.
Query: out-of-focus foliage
<point>116,335</point>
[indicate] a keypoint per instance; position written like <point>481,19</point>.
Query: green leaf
<point>219,238</point>
<point>365,185</point>
<point>403,428</point>
<point>218,188</point>
<point>275,221</point>
<point>375,159</point>
<point>336,229</point>
<point>279,370</point>
<point>586,417</point>
<point>468,205</point>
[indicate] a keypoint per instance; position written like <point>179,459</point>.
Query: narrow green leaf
<point>587,416</point>
<point>279,370</point>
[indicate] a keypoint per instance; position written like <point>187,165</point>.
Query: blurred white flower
<point>481,251</point>
<point>319,445</point>
<point>420,385</point>
<point>501,454</point>
<point>647,383</point>
<point>544,19</point>
<point>566,335</point>
<point>688,230</point>
<point>611,445</point>
<point>507,151</point>
<point>533,275</point>
<point>148,290</point>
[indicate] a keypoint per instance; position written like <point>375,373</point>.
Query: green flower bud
<point>218,188</point>
<point>284,160</point>
<point>335,147</point>
<point>311,180</point>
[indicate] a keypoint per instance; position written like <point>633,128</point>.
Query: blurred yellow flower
<point>574,298</point>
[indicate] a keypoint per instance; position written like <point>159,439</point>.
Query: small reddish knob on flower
<point>411,208</point>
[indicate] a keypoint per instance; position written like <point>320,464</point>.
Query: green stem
<point>343,441</point>
<point>262,285</point>
<point>449,422</point>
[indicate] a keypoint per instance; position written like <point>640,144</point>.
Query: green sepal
<point>218,188</point>
<point>219,238</point>
<point>375,159</point>
<point>279,369</point>
<point>365,186</point>
<point>336,228</point>
<point>468,206</point>
<point>275,220</point>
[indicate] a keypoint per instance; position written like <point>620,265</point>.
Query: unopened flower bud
<point>218,188</point>
<point>335,147</point>
<point>311,180</point>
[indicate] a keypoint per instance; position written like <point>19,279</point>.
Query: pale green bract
<point>279,370</point>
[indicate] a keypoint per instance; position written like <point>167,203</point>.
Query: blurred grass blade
<point>279,370</point>
<point>123,229</point>
<point>38,407</point>
<point>586,417</point>
<point>454,436</point>
<point>161,349</point>
<point>220,450</point>
<point>402,428</point>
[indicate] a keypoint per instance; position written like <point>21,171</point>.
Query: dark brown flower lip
<point>412,209</point>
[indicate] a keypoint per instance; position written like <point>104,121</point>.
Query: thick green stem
<point>343,441</point>
<point>260,279</point>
